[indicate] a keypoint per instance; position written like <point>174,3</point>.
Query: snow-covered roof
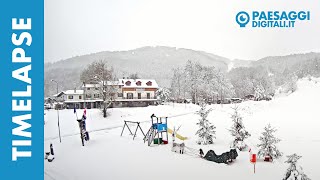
<point>139,83</point>
<point>144,83</point>
<point>73,92</point>
<point>109,83</point>
<point>91,85</point>
<point>59,94</point>
<point>114,83</point>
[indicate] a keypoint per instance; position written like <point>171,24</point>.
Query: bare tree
<point>134,76</point>
<point>101,74</point>
<point>177,84</point>
<point>200,82</point>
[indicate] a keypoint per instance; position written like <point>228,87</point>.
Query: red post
<point>253,159</point>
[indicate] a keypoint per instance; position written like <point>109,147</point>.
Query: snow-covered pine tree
<point>238,130</point>
<point>206,132</point>
<point>294,172</point>
<point>268,147</point>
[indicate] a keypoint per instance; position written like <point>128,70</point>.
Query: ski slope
<point>109,156</point>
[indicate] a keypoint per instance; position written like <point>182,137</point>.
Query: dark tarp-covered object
<point>226,157</point>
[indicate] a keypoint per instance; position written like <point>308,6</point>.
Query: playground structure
<point>155,133</point>
<point>84,134</point>
<point>159,129</point>
<point>135,132</point>
<point>177,135</point>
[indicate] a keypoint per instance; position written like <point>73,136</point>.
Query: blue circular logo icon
<point>242,18</point>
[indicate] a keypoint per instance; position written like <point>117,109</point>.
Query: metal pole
<point>84,95</point>
<point>221,101</point>
<point>58,117</point>
<point>58,110</point>
<point>123,128</point>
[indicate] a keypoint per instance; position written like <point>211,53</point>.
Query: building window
<point>149,83</point>
<point>139,95</point>
<point>88,96</point>
<point>70,97</point>
<point>138,83</point>
<point>148,95</point>
<point>120,95</point>
<point>129,95</point>
<point>128,83</point>
<point>88,88</point>
<point>80,97</point>
<point>96,88</point>
<point>96,95</point>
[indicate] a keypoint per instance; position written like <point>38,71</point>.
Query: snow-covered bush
<point>206,132</point>
<point>268,141</point>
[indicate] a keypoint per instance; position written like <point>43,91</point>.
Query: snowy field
<point>109,156</point>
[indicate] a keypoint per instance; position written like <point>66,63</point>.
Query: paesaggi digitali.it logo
<point>271,19</point>
<point>242,18</point>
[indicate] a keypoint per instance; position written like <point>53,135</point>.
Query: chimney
<point>75,90</point>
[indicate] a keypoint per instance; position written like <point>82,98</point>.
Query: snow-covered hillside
<point>109,156</point>
<point>149,62</point>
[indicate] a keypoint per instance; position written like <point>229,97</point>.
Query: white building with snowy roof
<point>136,92</point>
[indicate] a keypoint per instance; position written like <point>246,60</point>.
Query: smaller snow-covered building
<point>72,98</point>
<point>92,95</point>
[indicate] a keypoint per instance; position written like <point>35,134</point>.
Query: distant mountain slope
<point>149,62</point>
<point>241,63</point>
<point>280,63</point>
<point>157,63</point>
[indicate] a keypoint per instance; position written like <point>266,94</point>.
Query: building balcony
<point>135,99</point>
<point>144,97</point>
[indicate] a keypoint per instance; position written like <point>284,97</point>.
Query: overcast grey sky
<point>78,27</point>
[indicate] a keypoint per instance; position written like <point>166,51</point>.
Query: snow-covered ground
<point>109,156</point>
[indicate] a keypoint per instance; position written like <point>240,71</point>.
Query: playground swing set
<point>135,132</point>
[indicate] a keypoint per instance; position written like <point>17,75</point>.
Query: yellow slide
<point>177,135</point>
